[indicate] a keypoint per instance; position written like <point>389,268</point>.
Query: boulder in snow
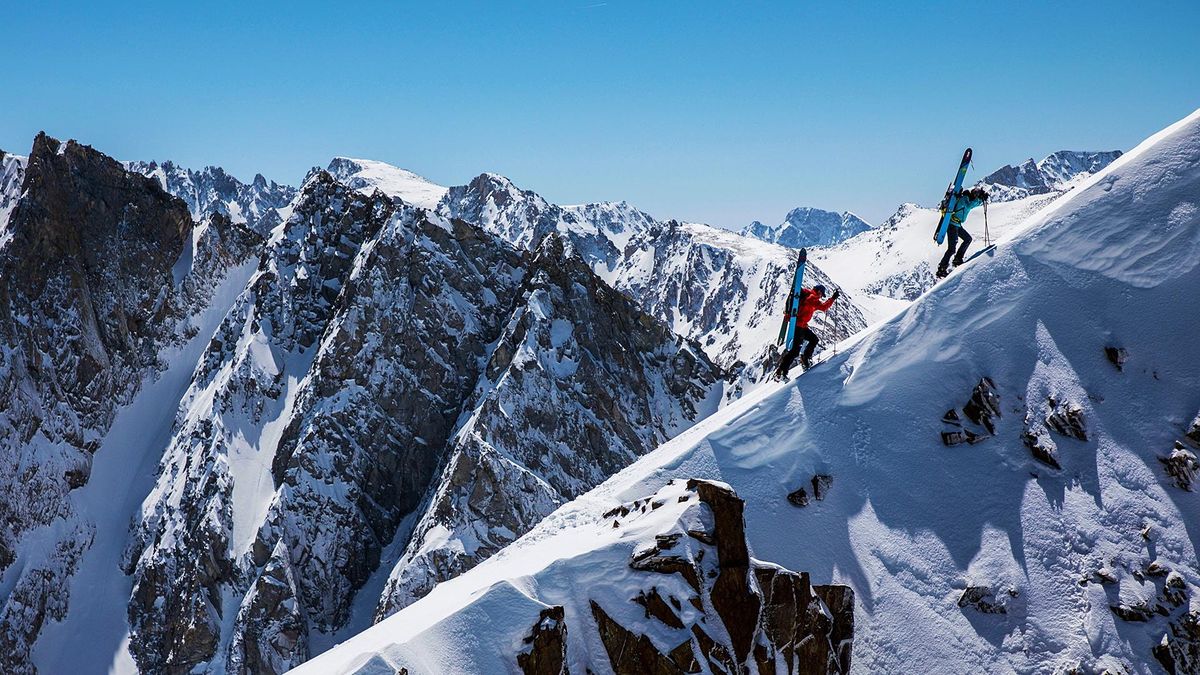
<point>984,406</point>
<point>1117,355</point>
<point>985,600</point>
<point>1066,419</point>
<point>1181,466</point>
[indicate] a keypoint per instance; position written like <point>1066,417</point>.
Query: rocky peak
<point>580,383</point>
<point>520,217</point>
<point>1051,174</point>
<point>805,227</point>
<point>369,175</point>
<point>212,190</point>
<point>89,295</point>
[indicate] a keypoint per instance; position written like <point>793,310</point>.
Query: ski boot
<point>805,363</point>
<point>942,272</point>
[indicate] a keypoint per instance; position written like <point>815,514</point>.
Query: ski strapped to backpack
<point>946,208</point>
<point>787,331</point>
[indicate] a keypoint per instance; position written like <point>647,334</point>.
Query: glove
<point>836,294</point>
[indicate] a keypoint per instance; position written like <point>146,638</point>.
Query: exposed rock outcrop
<point>1179,651</point>
<point>742,612</point>
<point>1117,356</point>
<point>546,646</point>
<point>985,600</point>
<point>90,292</point>
<point>982,409</point>
<point>1181,465</point>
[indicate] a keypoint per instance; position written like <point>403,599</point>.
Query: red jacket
<point>810,302</point>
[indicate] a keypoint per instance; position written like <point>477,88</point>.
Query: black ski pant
<point>953,234</point>
<point>803,334</point>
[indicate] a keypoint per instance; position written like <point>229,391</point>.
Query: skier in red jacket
<point>810,302</point>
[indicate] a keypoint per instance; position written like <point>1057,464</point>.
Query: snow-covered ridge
<point>1006,562</point>
<point>367,175</point>
<point>894,263</point>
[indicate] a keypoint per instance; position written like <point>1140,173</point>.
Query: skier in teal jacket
<point>967,200</point>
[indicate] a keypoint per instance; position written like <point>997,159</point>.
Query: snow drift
<point>1077,337</point>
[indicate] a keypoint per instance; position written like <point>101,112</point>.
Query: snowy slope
<point>724,290</point>
<point>974,558</point>
<point>888,266</point>
<point>368,175</point>
<point>892,264</point>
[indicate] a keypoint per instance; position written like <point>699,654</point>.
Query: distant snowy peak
<point>807,226</point>
<point>12,174</point>
<point>212,190</point>
<point>1051,174</point>
<point>368,175</point>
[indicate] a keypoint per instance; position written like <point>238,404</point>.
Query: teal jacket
<point>963,206</point>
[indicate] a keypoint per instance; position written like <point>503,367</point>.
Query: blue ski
<point>952,191</point>
<point>787,331</point>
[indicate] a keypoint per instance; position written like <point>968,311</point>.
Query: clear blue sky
<point>721,112</point>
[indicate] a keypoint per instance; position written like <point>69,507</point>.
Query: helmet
<point>819,289</point>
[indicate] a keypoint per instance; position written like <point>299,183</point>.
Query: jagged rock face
<point>1051,174</point>
<point>98,273</point>
<point>212,191</point>
<point>181,556</point>
<point>599,232</point>
<point>270,635</point>
<point>906,285</point>
<point>1179,651</point>
<point>804,227</point>
<point>412,346</point>
<point>711,606</point>
<point>333,394</point>
<point>580,383</point>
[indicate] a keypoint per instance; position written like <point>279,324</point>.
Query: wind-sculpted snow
<point>971,558</point>
<point>663,583</point>
<point>367,176</point>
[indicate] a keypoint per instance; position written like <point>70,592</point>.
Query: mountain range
<point>998,479</point>
<point>252,420</point>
